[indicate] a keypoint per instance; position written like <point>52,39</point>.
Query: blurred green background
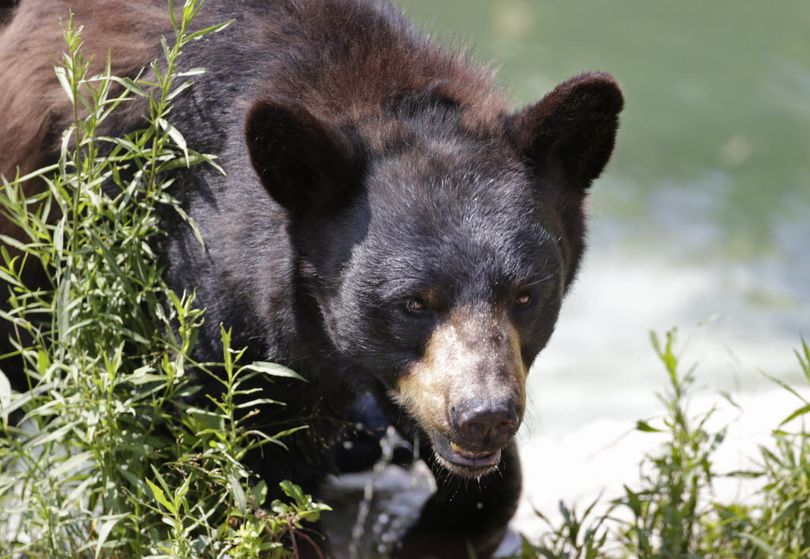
<point>718,93</point>
<point>703,212</point>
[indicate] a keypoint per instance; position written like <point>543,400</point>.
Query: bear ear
<point>570,133</point>
<point>306,164</point>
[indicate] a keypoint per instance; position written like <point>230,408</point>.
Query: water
<point>701,214</point>
<point>700,221</point>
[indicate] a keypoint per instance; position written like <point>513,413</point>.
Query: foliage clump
<point>674,513</point>
<point>111,452</point>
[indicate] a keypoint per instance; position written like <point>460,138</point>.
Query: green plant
<point>783,525</point>
<point>673,512</point>
<point>580,535</point>
<point>667,510</point>
<point>116,455</point>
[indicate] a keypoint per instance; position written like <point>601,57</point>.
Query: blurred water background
<point>701,220</point>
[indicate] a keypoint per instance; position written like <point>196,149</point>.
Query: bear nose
<point>487,424</point>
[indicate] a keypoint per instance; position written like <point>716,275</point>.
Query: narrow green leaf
<point>761,544</point>
<point>804,410</point>
<point>646,427</point>
<point>273,370</point>
<point>238,493</point>
<point>160,497</point>
<point>61,77</point>
<point>103,532</point>
<point>189,73</point>
<point>130,85</point>
<point>208,30</point>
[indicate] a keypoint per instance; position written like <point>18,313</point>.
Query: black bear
<point>388,223</point>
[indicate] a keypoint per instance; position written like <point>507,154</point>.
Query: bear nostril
<point>474,429</point>
<point>506,427</point>
<point>492,422</point>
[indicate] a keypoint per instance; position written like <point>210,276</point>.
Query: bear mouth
<point>461,461</point>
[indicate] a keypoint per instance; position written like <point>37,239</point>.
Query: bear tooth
<point>468,453</point>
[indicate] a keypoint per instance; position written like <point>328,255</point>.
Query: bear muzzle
<point>479,431</point>
<point>468,391</point>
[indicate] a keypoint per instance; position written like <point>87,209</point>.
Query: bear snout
<point>466,386</point>
<point>485,425</point>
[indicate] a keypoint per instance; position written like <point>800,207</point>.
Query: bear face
<point>448,296</point>
<point>439,257</point>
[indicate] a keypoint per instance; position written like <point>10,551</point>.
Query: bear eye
<point>415,305</point>
<point>523,300</point>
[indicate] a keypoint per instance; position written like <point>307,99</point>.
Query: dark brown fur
<point>33,106</point>
<point>338,88</point>
<point>355,78</point>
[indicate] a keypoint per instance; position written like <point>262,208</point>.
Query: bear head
<point>438,255</point>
